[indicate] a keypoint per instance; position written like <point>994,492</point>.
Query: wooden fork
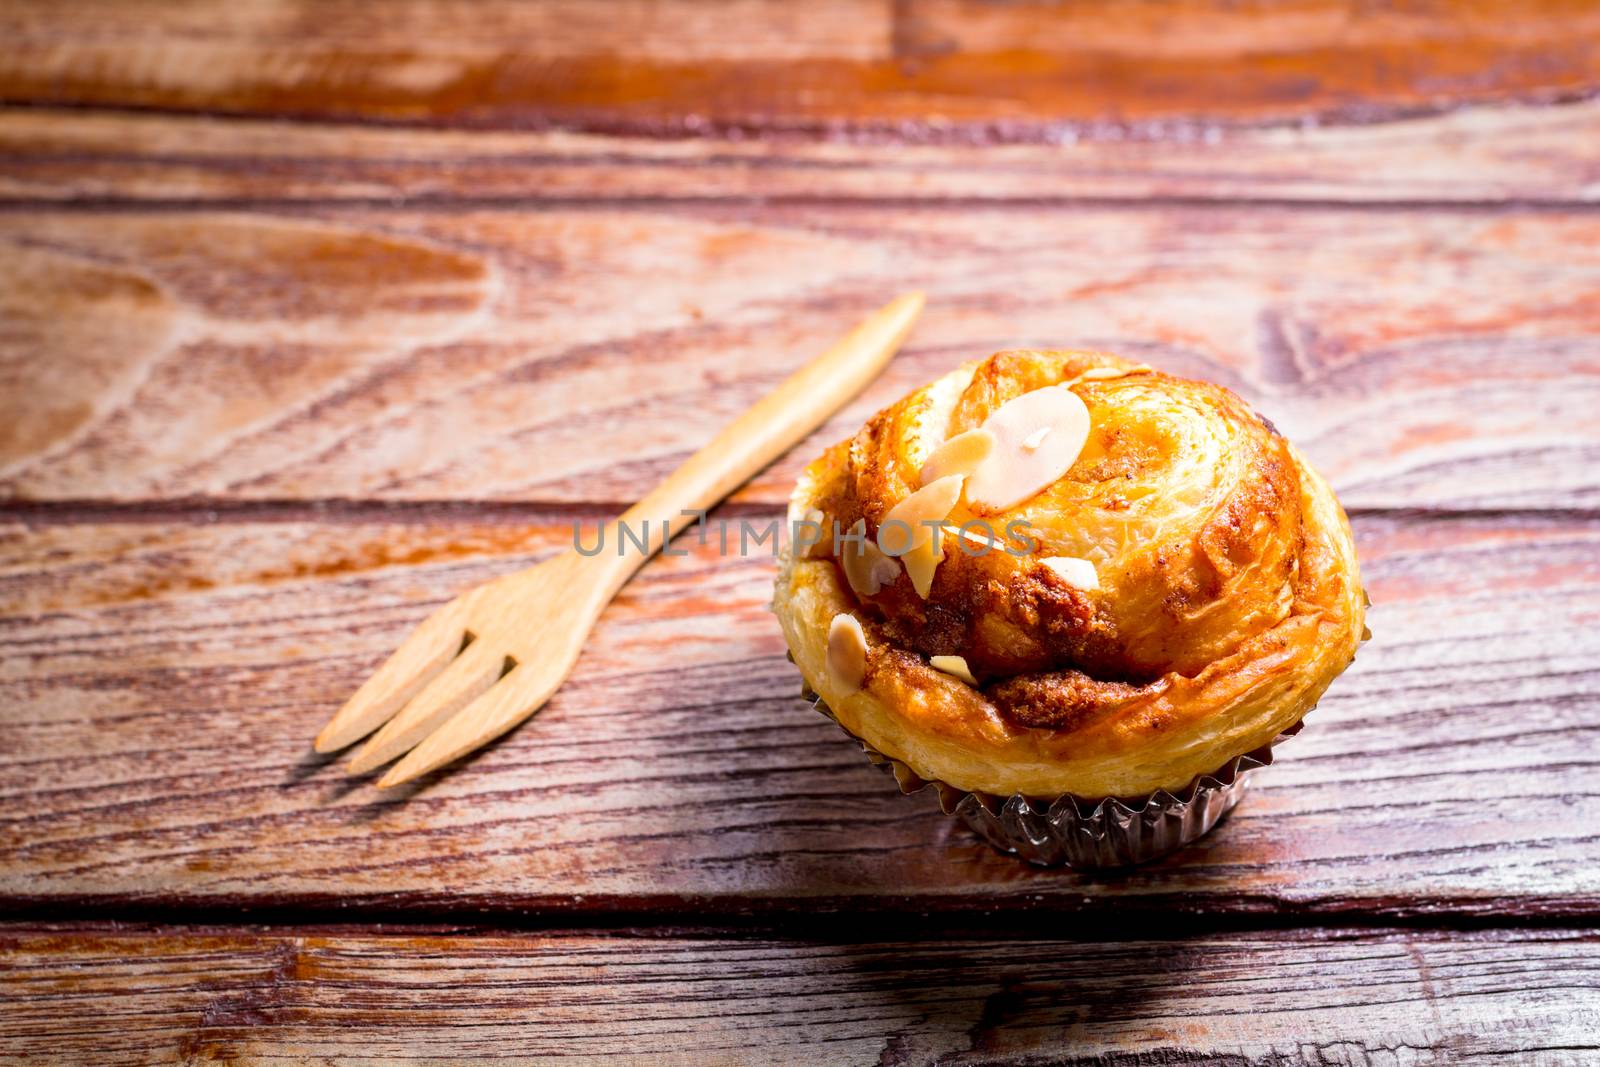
<point>492,656</point>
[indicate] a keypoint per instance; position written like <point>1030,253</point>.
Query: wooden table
<point>314,314</point>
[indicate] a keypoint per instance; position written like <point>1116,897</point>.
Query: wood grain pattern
<point>1436,360</point>
<point>915,67</point>
<point>163,680</point>
<point>1368,998</point>
<point>1517,153</point>
<point>312,315</point>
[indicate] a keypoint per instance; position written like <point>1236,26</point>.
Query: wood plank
<point>1304,997</point>
<point>1439,359</point>
<point>1510,153</point>
<point>162,681</point>
<point>916,68</point>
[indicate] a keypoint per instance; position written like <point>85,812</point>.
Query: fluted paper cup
<point>1088,832</point>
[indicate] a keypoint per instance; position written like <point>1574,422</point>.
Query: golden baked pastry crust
<point>1229,594</point>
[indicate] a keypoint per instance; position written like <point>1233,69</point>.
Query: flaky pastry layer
<point>1229,593</point>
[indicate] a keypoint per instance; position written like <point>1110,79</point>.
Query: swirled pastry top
<point>1224,598</point>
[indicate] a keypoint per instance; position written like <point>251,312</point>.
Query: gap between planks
<point>210,511</point>
<point>539,205</point>
<point>975,132</point>
<point>846,930</point>
<point>1155,916</point>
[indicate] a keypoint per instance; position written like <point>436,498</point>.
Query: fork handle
<point>776,423</point>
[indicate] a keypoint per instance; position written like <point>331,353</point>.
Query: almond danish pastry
<point>1080,596</point>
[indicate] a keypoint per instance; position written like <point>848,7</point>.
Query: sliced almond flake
<point>1036,438</point>
<point>820,548</point>
<point>921,563</point>
<point>959,455</point>
<point>981,545</point>
<point>1013,472</point>
<point>866,568</point>
<point>1076,572</point>
<point>931,503</point>
<point>955,667</point>
<point>847,653</point>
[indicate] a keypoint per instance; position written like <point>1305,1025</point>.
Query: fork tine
<point>420,658</point>
<point>458,685</point>
<point>514,698</point>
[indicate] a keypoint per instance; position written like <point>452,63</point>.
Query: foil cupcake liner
<point>1087,833</point>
